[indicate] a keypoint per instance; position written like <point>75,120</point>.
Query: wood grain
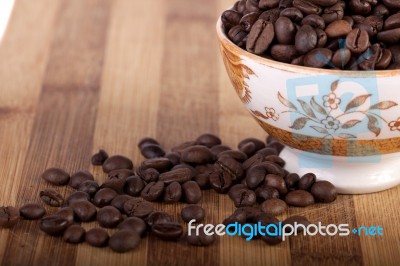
<point>78,75</point>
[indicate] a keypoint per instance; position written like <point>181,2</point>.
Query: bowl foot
<point>350,175</point>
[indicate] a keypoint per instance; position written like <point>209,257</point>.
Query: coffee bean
<point>341,57</point>
<point>97,237</point>
<point>284,53</point>
<point>270,15</point>
<point>89,186</point>
<point>299,198</point>
<point>324,191</point>
<point>307,7</point>
<point>221,181</point>
<point>9,216</point>
<point>230,19</point>
<point>390,36</point>
<point>260,37</point>
<point>167,231</point>
<point>360,7</point>
<point>77,196</point>
<point>268,3</point>
<point>66,213</point>
<point>231,166</point>
<point>380,11</point>
<point>217,149</point>
<point>292,13</point>
<point>200,240</point>
<point>306,181</point>
<point>248,20</point>
<point>180,147</point>
<point>99,157</point>
<point>208,140</point>
<point>160,164</point>
<point>32,211</point>
<point>104,196</point>
<point>138,207</point>
<point>117,162</point>
<point>277,146</point>
<point>56,176</point>
<point>357,41</point>
<point>298,219</point>
<point>249,149</point>
<point>148,175</point>
<point>78,177</point>
<point>255,176</point>
<point>150,151</point>
<point>178,175</point>
<point>84,210</point>
<point>385,60</point>
<point>338,28</point>
<point>238,156</point>
<point>314,20</point>
<point>74,234</point>
<point>318,57</point>
<point>108,217</point>
<point>274,206</point>
<point>174,157</point>
<point>123,241</point>
<point>145,141</point>
<point>275,159</point>
<point>134,224</point>
<point>305,39</point>
<point>235,189</point>
<point>392,4</point>
<point>191,212</point>
<point>265,192</point>
<point>285,30</point>
<point>116,179</point>
<point>244,198</point>
<point>197,154</point>
<point>291,181</point>
<point>191,192</point>
<point>239,216</point>
<point>173,193</point>
<point>53,225</point>
<point>238,35</point>
<point>153,191</point>
<point>119,201</point>
<point>51,197</point>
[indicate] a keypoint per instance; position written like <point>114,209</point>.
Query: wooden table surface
<point>79,75</point>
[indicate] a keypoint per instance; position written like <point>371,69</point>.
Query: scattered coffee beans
<point>56,176</point>
<point>109,217</point>
<point>78,177</point>
<point>51,197</point>
<point>324,191</point>
<point>74,234</point>
<point>314,33</point>
<point>99,158</point>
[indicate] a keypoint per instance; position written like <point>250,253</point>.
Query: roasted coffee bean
<point>134,224</point>
<point>99,157</point>
<point>138,207</point>
<point>9,216</point>
<point>230,18</point>
<point>285,3</point>
<point>265,192</point>
<point>51,197</point>
<point>264,4</point>
<point>298,61</point>
<point>191,212</point>
<point>314,20</point>
<point>146,141</point>
<point>357,41</point>
<point>244,198</point>
<point>277,182</point>
<point>324,191</point>
<point>67,213</point>
<point>270,15</point>
<point>150,151</point>
<point>84,210</point>
<point>252,5</point>
<point>221,181</point>
<point>360,7</point>
<point>32,211</point>
<point>167,231</point>
<point>108,217</point>
<point>172,193</point>
<point>276,145</point>
<point>318,58</point>
<point>291,181</point>
<point>390,36</point>
<point>391,4</point>
<point>284,53</point>
<point>78,177</point>
<point>305,39</point>
<point>231,166</point>
<point>292,13</point>
<point>116,180</point>
<point>323,3</point>
<point>371,58</point>
<point>174,157</point>
<point>248,20</point>
<point>180,147</point>
<point>307,7</point>
<point>104,196</point>
<point>123,241</point>
<point>117,162</point>
<point>299,220</point>
<point>119,201</point>
<point>299,198</point>
<point>258,143</point>
<point>77,196</point>
<point>306,181</point>
<point>157,217</point>
<point>89,186</point>
<point>53,225</point>
<point>149,174</point>
<point>332,13</point>
<point>217,149</point>
<point>385,60</point>
<point>255,176</point>
<point>235,189</point>
<point>197,154</point>
<point>74,234</point>
<point>97,237</point>
<point>380,11</point>
<point>191,192</point>
<point>341,57</point>
<point>239,216</point>
<point>274,206</point>
<point>322,38</point>
<point>56,176</point>
<point>285,30</point>
<point>338,28</point>
<point>238,36</point>
<point>275,159</point>
<point>260,37</point>
<point>153,191</point>
<point>181,176</point>
<point>249,149</point>
<point>234,154</point>
<point>200,240</point>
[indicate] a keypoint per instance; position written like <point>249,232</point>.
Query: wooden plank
<point>380,209</point>
<point>21,73</point>
<point>64,122</point>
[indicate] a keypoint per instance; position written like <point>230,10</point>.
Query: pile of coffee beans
<point>350,35</point>
<point>253,176</point>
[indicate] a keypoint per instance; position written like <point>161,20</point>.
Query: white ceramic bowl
<point>342,125</point>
